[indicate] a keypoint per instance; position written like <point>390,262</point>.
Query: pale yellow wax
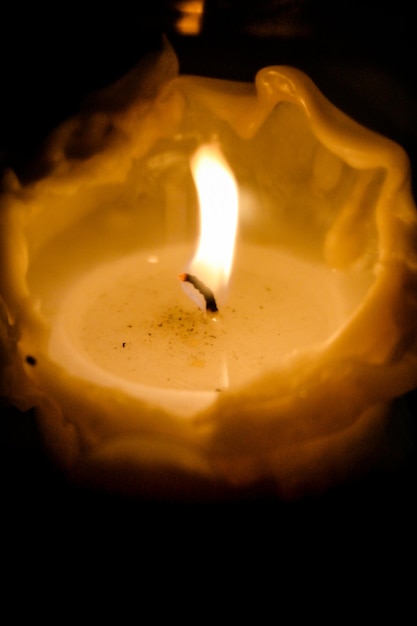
<point>326,203</point>
<point>128,324</point>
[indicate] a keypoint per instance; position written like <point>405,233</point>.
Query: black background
<point>361,55</point>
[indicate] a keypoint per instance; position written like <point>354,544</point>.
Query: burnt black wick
<point>203,289</point>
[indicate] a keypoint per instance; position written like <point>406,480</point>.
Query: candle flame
<point>218,202</point>
<point>190,16</point>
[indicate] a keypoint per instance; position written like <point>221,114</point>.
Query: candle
<point>137,386</point>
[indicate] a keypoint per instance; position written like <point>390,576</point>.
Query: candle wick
<point>207,294</point>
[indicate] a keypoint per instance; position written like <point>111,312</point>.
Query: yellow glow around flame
<point>218,202</point>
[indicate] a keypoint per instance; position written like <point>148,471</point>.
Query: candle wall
<point>313,184</point>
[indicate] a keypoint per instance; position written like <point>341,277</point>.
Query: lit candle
<point>299,331</point>
<point>127,324</point>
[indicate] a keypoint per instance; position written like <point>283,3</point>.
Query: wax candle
<point>138,388</point>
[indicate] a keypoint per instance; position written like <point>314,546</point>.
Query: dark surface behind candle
<point>361,55</point>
